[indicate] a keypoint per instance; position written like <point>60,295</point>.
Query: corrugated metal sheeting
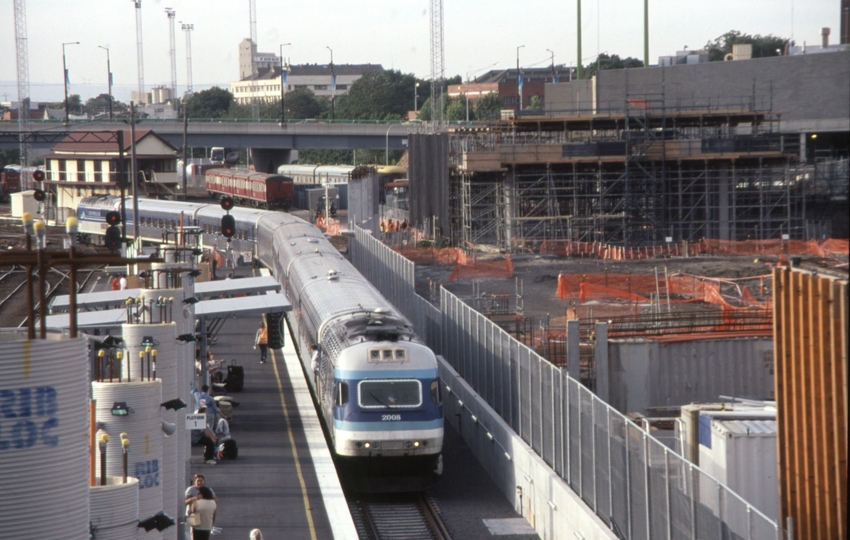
<point>647,373</point>
<point>810,338</point>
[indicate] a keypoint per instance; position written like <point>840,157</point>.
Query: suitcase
<point>235,377</point>
<point>229,450</point>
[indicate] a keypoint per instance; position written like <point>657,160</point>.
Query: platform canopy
<point>250,285</point>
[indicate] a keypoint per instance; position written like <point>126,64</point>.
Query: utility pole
<point>283,73</point>
<point>255,105</point>
<point>333,86</point>
<point>133,174</point>
<point>519,80</point>
<point>437,64</point>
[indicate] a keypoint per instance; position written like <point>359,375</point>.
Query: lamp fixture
<point>186,338</point>
<point>120,408</point>
<point>147,341</point>
<point>173,404</point>
<point>190,300</point>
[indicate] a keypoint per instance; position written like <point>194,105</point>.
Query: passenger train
<point>377,384</point>
<point>248,188</point>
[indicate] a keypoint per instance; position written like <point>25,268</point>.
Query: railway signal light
<point>39,195</point>
<point>38,175</point>
<point>228,225</point>
<point>113,238</point>
<point>227,203</point>
<point>113,218</point>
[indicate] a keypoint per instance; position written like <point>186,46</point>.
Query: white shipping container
<point>742,455</point>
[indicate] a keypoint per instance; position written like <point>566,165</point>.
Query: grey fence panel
<point>628,478</point>
<point>587,455</point>
<point>515,388</point>
<point>559,425</point>
<point>548,414</point>
<point>618,454</point>
<point>534,365</point>
<point>525,404</point>
<point>575,436</point>
<point>637,483</point>
<point>659,502</point>
<point>602,470</point>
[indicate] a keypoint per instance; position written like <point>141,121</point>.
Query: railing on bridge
<point>638,486</point>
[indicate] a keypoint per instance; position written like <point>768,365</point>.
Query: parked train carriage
<point>244,241</point>
<point>300,174</point>
<point>248,188</point>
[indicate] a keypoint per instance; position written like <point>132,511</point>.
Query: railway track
<point>403,518</point>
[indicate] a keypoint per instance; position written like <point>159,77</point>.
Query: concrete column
<point>602,386</point>
<point>573,350</point>
<point>267,160</point>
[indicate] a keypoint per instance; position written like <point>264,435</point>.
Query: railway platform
<point>283,481</point>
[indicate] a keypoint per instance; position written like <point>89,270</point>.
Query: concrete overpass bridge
<point>270,142</point>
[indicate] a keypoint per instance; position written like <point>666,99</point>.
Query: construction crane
<point>23,77</point>
<point>188,29</point>
<point>437,63</point>
<point>140,60</point>
<point>173,52</point>
<point>255,105</point>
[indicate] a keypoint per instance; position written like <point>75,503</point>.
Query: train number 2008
<point>390,417</point>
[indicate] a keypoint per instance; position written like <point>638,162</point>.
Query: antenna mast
<point>188,29</point>
<point>140,61</point>
<point>23,76</point>
<point>255,105</point>
<point>173,51</point>
<point>437,61</point>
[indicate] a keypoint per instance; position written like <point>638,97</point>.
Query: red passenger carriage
<point>248,188</point>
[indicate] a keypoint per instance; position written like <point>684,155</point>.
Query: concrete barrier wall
<point>546,501</point>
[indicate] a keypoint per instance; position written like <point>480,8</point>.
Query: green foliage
<point>763,46</point>
<point>212,103</point>
<point>349,157</point>
<point>385,95</point>
<point>269,110</point>
<point>425,110</point>
<point>302,104</point>
<point>536,103</point>
<point>100,104</point>
<point>457,79</point>
<point>9,157</point>
<point>489,107</point>
<point>610,62</point>
<point>456,111</point>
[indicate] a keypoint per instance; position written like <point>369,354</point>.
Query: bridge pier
<point>267,160</point>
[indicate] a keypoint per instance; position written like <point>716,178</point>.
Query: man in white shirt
<point>122,282</point>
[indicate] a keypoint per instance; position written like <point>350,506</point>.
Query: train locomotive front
<point>377,383</point>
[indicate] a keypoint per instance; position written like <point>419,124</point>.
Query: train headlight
<point>408,444</point>
<point>367,445</point>
<point>416,444</point>
<point>376,444</point>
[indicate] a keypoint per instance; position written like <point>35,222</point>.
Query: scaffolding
<point>644,176</point>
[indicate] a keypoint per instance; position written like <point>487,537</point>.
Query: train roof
<point>244,174</point>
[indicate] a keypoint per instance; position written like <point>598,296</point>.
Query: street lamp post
<point>282,87</point>
<point>518,86</point>
<point>416,100</point>
<point>553,63</point>
<point>108,78</point>
<point>387,154</point>
<point>333,87</point>
<point>65,73</point>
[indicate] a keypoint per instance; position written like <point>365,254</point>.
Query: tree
<point>456,111</point>
<point>302,104</point>
<point>100,104</point>
<point>489,107</point>
<point>212,103</point>
<point>604,62</point>
<point>536,103</point>
<point>763,46</point>
<point>378,95</point>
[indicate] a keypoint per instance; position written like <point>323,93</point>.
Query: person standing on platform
<point>208,438</point>
<point>261,340</point>
<point>123,282</point>
<point>116,284</point>
<point>205,508</point>
<point>193,493</point>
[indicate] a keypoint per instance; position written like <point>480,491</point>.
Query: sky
<point>394,33</point>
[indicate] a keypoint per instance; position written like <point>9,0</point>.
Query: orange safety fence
<point>677,288</point>
<point>467,267</point>
<point>826,248</point>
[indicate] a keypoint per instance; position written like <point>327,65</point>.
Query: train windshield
<point>390,394</point>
